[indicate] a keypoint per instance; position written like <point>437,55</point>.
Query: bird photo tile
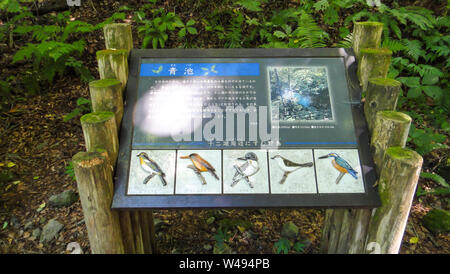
<point>152,172</point>
<point>292,171</point>
<point>338,171</point>
<point>199,172</point>
<point>245,171</point>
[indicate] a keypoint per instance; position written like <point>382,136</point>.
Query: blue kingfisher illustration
<point>341,165</point>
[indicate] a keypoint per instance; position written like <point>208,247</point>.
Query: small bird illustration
<point>341,165</point>
<point>200,165</point>
<point>158,71</point>
<point>150,166</point>
<point>249,168</point>
<point>287,166</point>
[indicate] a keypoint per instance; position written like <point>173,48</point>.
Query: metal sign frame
<point>369,199</point>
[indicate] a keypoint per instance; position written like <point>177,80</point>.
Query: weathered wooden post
<point>397,184</point>
<point>95,187</point>
<point>374,63</point>
<point>137,226</point>
<point>100,131</point>
<point>123,231</point>
<point>391,129</point>
<point>382,94</point>
<point>118,36</point>
<point>113,63</point>
<point>106,95</point>
<point>346,230</point>
<point>366,35</point>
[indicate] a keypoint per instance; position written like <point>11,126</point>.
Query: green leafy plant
<point>284,245</point>
<point>5,89</point>
<point>443,190</point>
<point>299,247</point>
<point>16,15</point>
<point>83,106</point>
<point>293,28</point>
<point>251,5</point>
<point>186,28</point>
<point>232,34</point>
<point>53,52</point>
<point>69,170</point>
<point>426,140</point>
<point>156,31</point>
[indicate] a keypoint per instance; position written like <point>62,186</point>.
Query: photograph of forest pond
<point>300,93</point>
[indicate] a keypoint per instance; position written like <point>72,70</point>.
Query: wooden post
<point>397,184</point>
<point>374,63</point>
<point>118,36</point>
<point>331,232</point>
<point>366,35</point>
<point>137,226</point>
<point>146,232</point>
<point>382,94</point>
<point>100,131</point>
<point>137,232</point>
<point>113,63</point>
<point>95,187</point>
<point>127,232</point>
<point>391,129</point>
<point>106,95</point>
<point>345,231</point>
<point>152,232</point>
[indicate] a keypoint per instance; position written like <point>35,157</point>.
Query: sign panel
<point>244,128</point>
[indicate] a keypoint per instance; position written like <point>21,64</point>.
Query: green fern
<point>393,45</point>
<point>51,53</point>
<point>413,48</point>
<point>421,17</point>
<point>251,5</point>
<point>308,33</point>
<point>347,42</point>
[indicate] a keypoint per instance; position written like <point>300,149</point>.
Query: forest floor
<point>40,145</point>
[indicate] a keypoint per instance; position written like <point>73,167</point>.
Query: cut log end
<point>113,52</point>
<point>104,83</point>
<point>96,117</point>
<point>405,155</point>
<point>370,24</point>
<point>385,82</point>
<point>88,159</point>
<point>394,116</point>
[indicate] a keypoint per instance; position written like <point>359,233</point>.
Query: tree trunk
<point>95,187</point>
<point>397,184</point>
<point>382,94</point>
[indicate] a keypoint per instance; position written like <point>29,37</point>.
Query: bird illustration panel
<point>292,171</point>
<point>245,171</point>
<point>199,172</point>
<point>152,172</point>
<point>338,171</point>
